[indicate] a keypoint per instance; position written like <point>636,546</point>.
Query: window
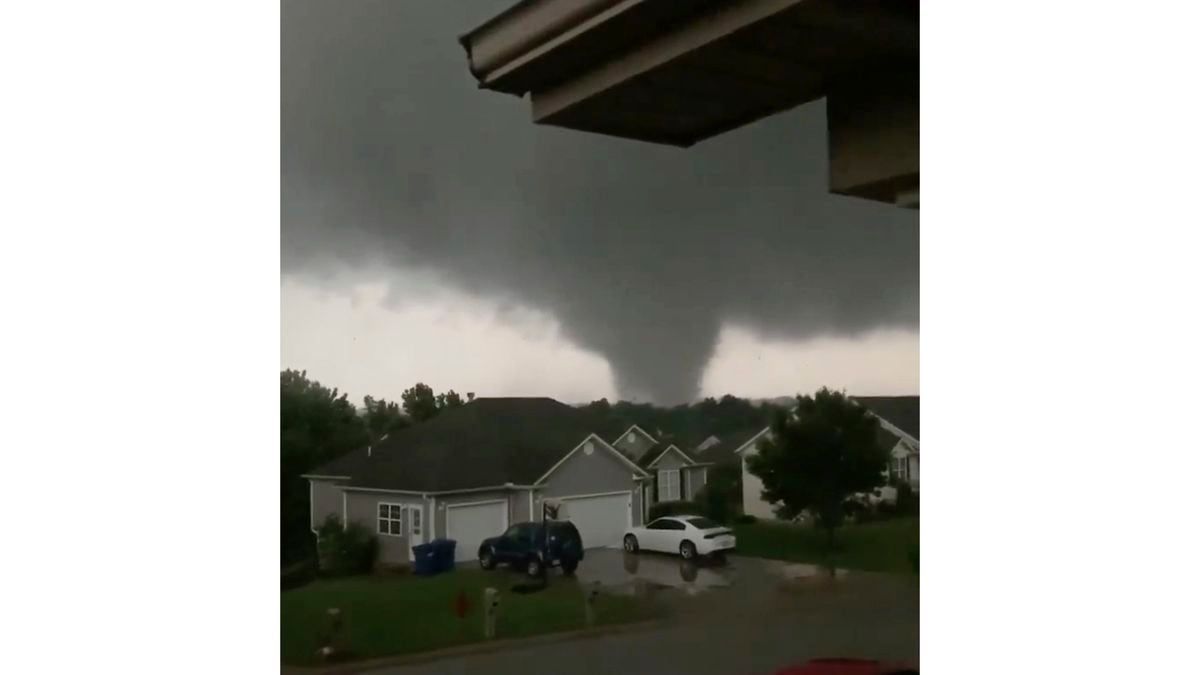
<point>703,523</point>
<point>900,467</point>
<point>665,524</point>
<point>704,476</point>
<point>513,532</point>
<point>391,519</point>
<point>668,485</point>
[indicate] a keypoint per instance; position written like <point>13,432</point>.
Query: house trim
<point>904,435</point>
<point>616,453</point>
<point>753,440</point>
<point>637,429</point>
<point>312,476</point>
<point>491,488</point>
<point>404,522</point>
<point>679,473</point>
<point>671,447</point>
<point>481,503</point>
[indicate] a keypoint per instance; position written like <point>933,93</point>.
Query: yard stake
<point>491,605</point>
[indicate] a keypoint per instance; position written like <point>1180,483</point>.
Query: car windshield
<point>703,523</point>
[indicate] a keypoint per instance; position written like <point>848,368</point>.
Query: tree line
<point>318,424</point>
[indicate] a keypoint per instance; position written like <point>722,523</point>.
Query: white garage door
<point>601,520</point>
<point>470,524</point>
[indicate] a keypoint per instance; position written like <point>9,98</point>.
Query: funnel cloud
<point>392,158</point>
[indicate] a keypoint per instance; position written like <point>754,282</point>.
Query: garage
<point>601,519</point>
<point>469,524</point>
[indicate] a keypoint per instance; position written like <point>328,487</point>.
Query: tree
<point>383,416</point>
<point>815,458</point>
<point>450,399</point>
<point>722,492</point>
<point>317,424</point>
<point>420,403</point>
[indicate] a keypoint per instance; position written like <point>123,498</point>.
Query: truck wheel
<point>486,560</point>
<point>533,567</point>
<point>569,566</point>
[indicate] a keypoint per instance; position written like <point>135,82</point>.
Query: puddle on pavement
<point>805,574</point>
<point>647,574</point>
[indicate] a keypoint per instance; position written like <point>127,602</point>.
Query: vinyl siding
<point>326,501</point>
<point>363,508</point>
<point>584,474</point>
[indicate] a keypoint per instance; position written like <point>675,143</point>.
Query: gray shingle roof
<point>488,442</point>
<point>902,411</point>
<point>723,451</point>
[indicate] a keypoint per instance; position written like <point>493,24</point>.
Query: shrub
<point>907,501</point>
<point>715,505</point>
<point>297,574</point>
<point>679,508</point>
<point>745,519</point>
<point>351,550</point>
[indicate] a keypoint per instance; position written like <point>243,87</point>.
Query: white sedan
<point>689,536</point>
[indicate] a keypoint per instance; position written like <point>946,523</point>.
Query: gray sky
<point>431,232</point>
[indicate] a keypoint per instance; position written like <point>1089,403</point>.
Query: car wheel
<point>569,566</point>
<point>688,550</point>
<point>631,543</point>
<point>486,560</point>
<point>533,567</point>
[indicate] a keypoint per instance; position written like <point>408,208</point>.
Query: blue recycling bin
<point>445,554</point>
<point>425,559</point>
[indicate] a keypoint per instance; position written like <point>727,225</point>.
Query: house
<point>678,73</point>
<point>472,471</point>
<point>677,475</point>
<point>680,474</point>
<point>899,427</point>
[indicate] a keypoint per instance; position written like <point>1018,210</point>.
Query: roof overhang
<point>678,73</point>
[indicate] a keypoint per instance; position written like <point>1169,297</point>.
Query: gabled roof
<point>753,437</point>
<point>638,429</point>
<point>488,442</point>
<point>902,412</point>
<point>726,449</point>
<point>670,447</point>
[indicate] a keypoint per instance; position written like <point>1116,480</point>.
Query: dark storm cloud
<point>391,154</point>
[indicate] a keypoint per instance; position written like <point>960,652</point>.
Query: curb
<point>470,649</point>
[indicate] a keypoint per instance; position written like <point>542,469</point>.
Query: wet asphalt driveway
<point>746,616</point>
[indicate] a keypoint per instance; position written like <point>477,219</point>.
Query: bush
<point>679,508</point>
<point>345,551</point>
<point>907,501</point>
<point>715,505</point>
<point>745,519</point>
<point>297,574</point>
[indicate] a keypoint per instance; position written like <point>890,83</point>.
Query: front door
<point>416,527</point>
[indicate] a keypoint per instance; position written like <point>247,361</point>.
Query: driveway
<point>747,617</point>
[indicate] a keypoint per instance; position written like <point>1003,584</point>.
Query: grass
<point>404,614</point>
<point>883,546</point>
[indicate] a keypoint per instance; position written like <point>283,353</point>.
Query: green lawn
<point>885,546</point>
<point>390,615</point>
